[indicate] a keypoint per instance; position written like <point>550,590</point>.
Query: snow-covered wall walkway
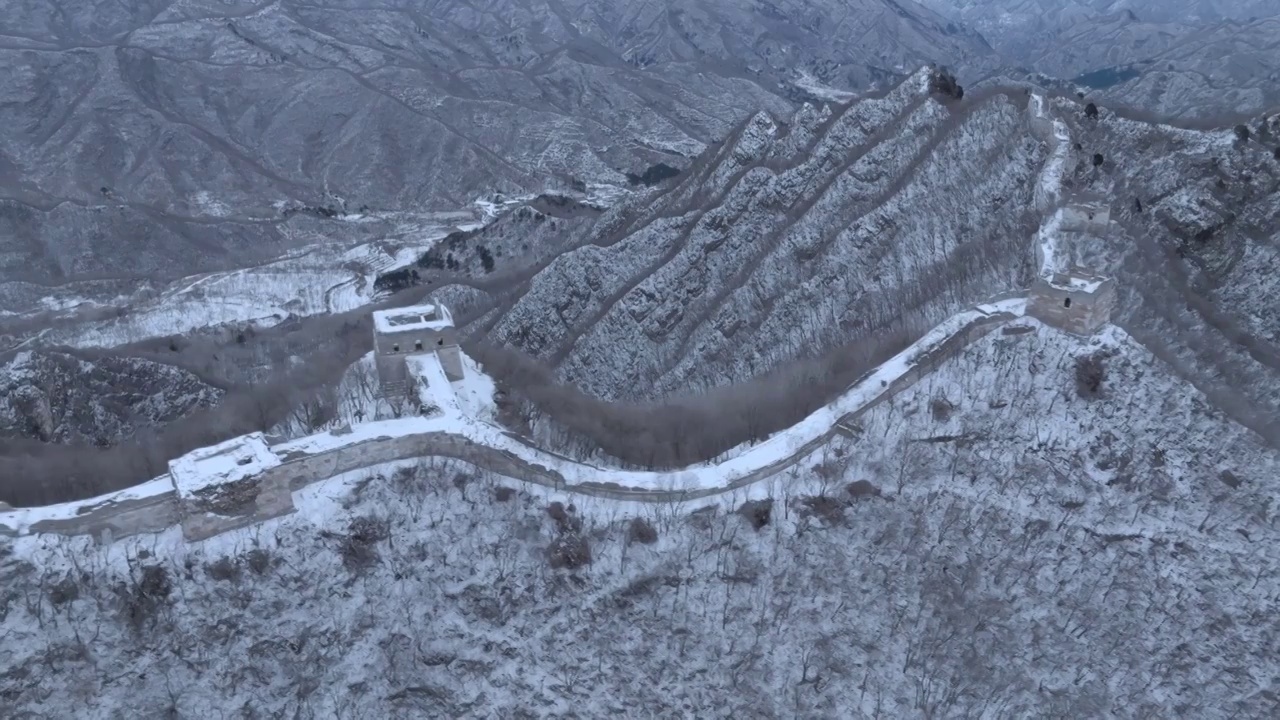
<point>454,433</point>
<point>1048,192</point>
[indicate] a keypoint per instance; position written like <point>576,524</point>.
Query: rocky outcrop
<point>61,397</point>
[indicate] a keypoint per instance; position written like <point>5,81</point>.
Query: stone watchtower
<point>1075,301</point>
<point>1065,295</point>
<point>404,332</point>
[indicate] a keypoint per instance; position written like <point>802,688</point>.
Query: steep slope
<point>1233,67</point>
<point>853,222</point>
<point>786,241</point>
<point>58,397</point>
<point>1196,234</point>
<point>995,543</point>
<point>177,137</point>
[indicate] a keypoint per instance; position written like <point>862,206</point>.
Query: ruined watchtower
<point>1075,301</point>
<point>1064,294</point>
<point>404,332</point>
<point>229,485</point>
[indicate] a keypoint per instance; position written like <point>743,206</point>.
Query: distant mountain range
<point>164,138</point>
<point>1176,58</point>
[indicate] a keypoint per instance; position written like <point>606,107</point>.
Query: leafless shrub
<point>259,561</point>
<point>824,507</point>
<point>862,489</point>
<point>569,551</point>
<point>757,512</point>
<point>63,591</point>
<point>942,82</point>
<point>358,547</point>
<point>224,569</point>
<point>566,521</point>
<point>1091,373</point>
<point>407,480</point>
<point>941,409</point>
<point>368,529</point>
<point>702,517</point>
<point>642,531</point>
<point>142,598</point>
<point>644,586</point>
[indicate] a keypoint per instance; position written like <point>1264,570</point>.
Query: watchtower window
<point>1066,303</point>
<point>417,345</point>
<point>395,348</point>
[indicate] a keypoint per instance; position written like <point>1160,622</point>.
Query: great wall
<point>245,480</point>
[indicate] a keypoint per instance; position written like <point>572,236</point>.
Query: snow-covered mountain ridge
<point>1008,536</point>
<point>1176,58</point>
<point>782,239</point>
<point>846,223</point>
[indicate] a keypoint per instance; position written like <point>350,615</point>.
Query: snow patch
<point>20,520</point>
<point>232,461</point>
<point>811,85</point>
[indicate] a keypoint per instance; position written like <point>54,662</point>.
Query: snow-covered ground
<point>325,277</point>
<point>1031,553</point>
<point>813,86</point>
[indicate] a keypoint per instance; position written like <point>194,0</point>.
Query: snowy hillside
<point>843,226</point>
<point>787,240</point>
<point>1194,236</point>
<point>1177,58</point>
<point>999,539</point>
<point>59,397</point>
